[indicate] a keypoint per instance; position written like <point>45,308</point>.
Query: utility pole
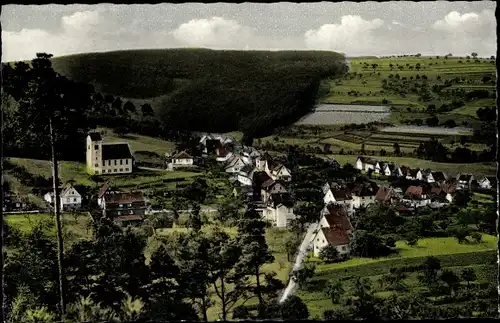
<point>57,213</point>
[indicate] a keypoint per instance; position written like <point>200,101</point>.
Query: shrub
<point>329,254</point>
<point>476,237</point>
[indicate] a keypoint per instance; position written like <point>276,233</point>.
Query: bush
<point>329,254</point>
<point>476,237</point>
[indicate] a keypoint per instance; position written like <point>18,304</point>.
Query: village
<point>261,182</point>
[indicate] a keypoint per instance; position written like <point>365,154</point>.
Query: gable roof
<point>491,179</point>
<point>116,151</point>
<point>438,176</point>
<point>337,217</point>
<point>413,172</point>
<point>268,183</point>
<point>341,194</point>
<point>95,136</point>
<point>417,191</point>
<point>281,198</point>
<point>448,188</point>
<point>384,194</point>
<point>367,160</point>
<point>391,167</point>
<point>67,188</point>
<point>124,198</point>
<point>222,152</point>
<point>104,188</point>
<point>335,237</point>
<point>247,169</point>
<point>182,155</point>
<point>259,178</point>
<point>365,189</point>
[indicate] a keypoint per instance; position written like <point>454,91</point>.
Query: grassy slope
<point>451,254</point>
<point>370,84</point>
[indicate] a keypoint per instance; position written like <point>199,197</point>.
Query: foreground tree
<point>255,252</point>
<point>334,290</point>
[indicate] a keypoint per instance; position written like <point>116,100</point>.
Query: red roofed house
<point>336,217</point>
<point>331,236</point>
<point>385,195</point>
<point>417,196</point>
<point>339,196</point>
<point>122,207</point>
<point>363,194</point>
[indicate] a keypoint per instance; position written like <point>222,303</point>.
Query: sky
<point>356,29</point>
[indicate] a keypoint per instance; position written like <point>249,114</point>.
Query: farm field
<point>370,83</point>
<point>454,256</point>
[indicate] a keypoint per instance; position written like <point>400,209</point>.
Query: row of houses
<point>463,181</point>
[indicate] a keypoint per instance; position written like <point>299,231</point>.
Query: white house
<point>331,236</point>
<point>363,194</point>
<point>107,158</point>
<point>412,174</point>
<point>235,164</point>
<point>279,210</point>
<point>181,159</point>
<point>464,181</point>
<point>390,170</point>
<point>339,196</point>
<point>280,172</point>
<point>487,183</point>
<point>363,163</point>
<point>401,171</point>
<point>379,167</point>
<point>422,175</point>
<point>69,198</point>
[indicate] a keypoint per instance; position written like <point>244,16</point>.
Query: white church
<point>108,158</point>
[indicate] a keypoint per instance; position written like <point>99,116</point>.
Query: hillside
<point>209,90</point>
<point>412,84</point>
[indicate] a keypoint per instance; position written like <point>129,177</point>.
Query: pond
<point>429,130</point>
<point>329,114</point>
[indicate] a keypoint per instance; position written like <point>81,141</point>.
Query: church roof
<point>116,151</point>
<point>95,136</point>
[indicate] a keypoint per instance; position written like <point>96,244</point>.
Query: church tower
<point>94,153</point>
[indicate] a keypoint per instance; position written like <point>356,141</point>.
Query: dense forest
<point>179,90</point>
<point>208,90</point>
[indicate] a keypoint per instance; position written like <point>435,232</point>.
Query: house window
<point>317,240</point>
<point>126,161</point>
<point>121,169</point>
<point>88,147</point>
<point>97,172</point>
<point>96,165</point>
<point>74,199</point>
<point>67,200</point>
<point>115,170</point>
<point>323,240</point>
<point>119,213</point>
<point>109,162</point>
<point>121,205</point>
<point>121,161</point>
<point>103,163</point>
<point>96,147</point>
<point>344,248</point>
<point>115,162</point>
<point>126,169</point>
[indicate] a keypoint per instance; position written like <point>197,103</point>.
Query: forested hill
<point>210,90</point>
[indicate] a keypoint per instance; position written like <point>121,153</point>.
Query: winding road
<point>299,259</point>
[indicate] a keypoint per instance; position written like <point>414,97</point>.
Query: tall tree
<point>194,271</point>
<point>195,217</point>
<point>223,254</point>
<point>255,252</point>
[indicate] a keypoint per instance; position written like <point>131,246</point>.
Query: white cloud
<point>353,35</point>
<point>216,32</point>
<point>468,22</point>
